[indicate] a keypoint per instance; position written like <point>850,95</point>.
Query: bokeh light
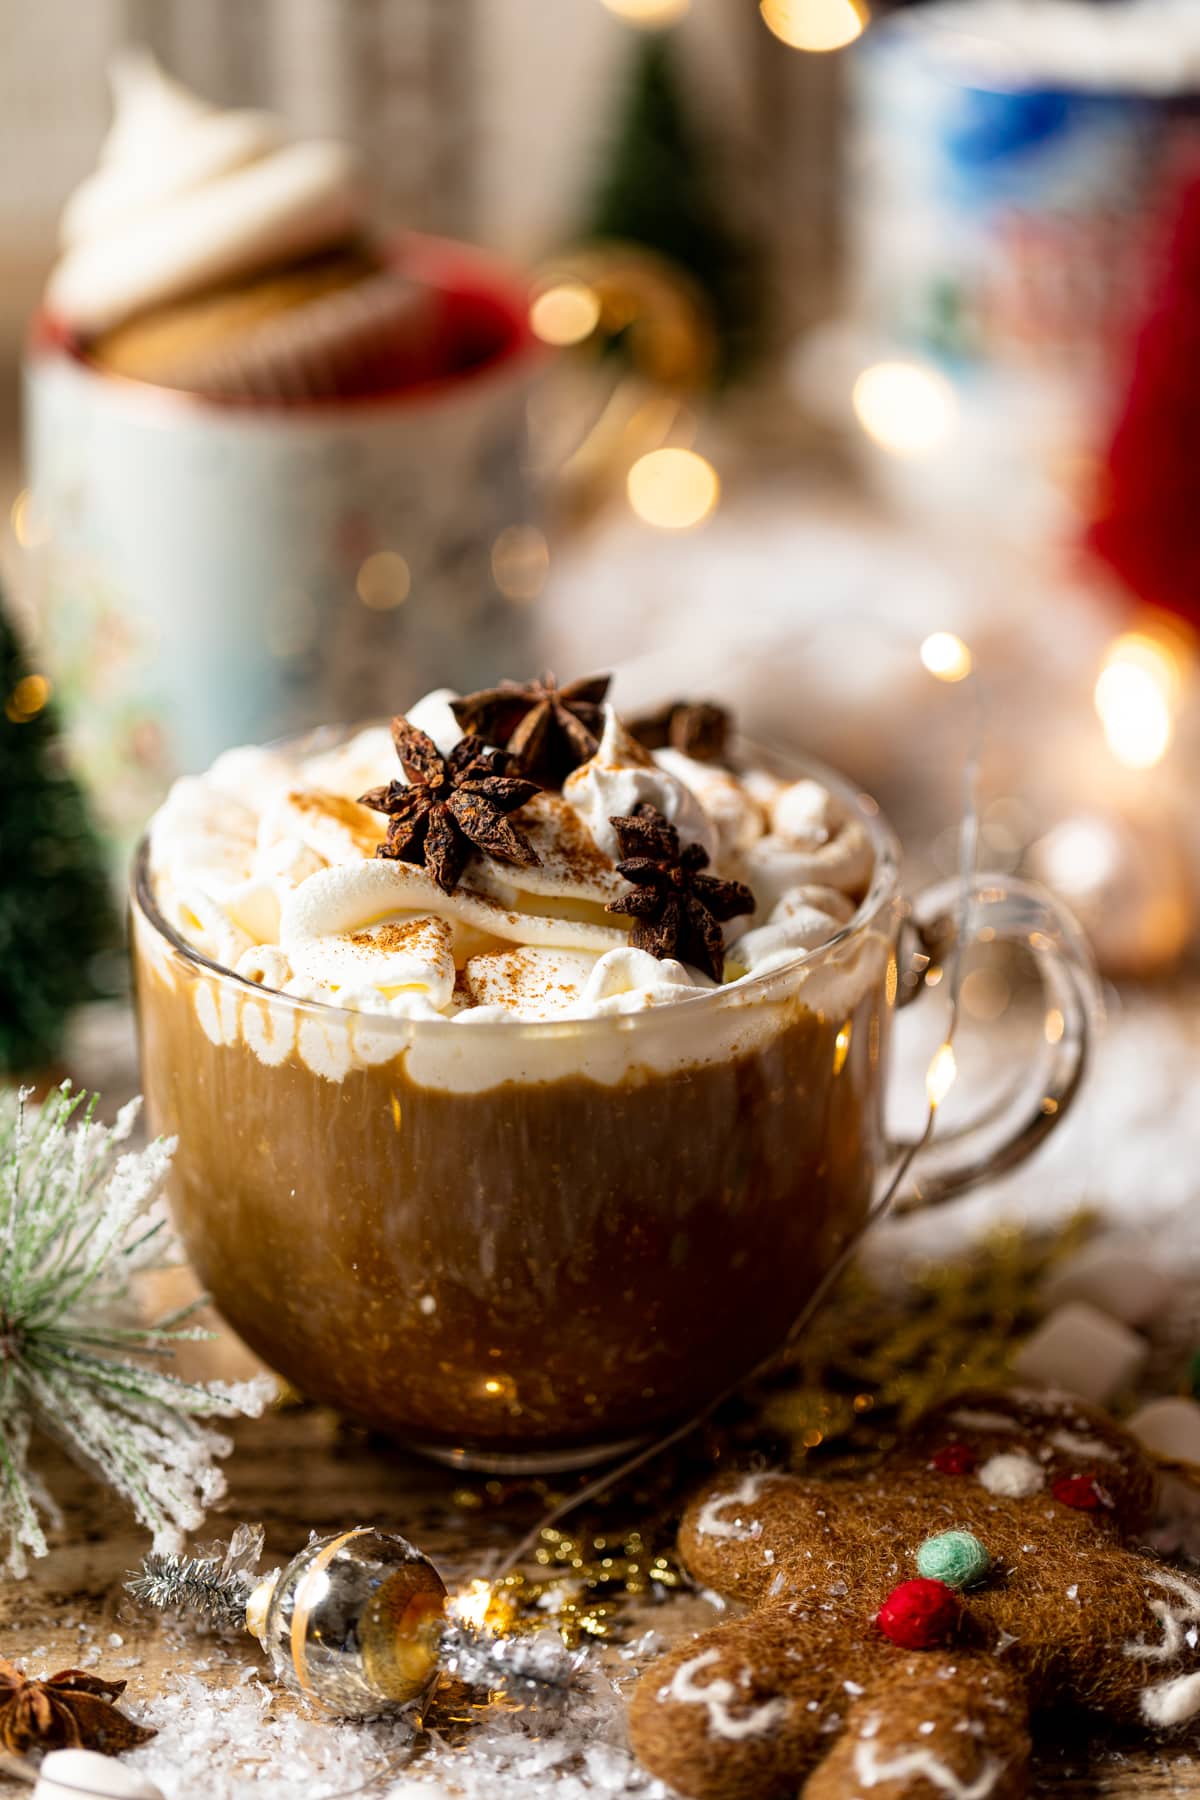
<point>673,488</point>
<point>818,25</point>
<point>520,562</point>
<point>651,15</point>
<point>941,1074</point>
<point>1080,855</point>
<point>27,528</point>
<point>1135,697</point>
<point>384,580</point>
<point>471,1603</point>
<point>905,408</point>
<point>564,314</point>
<point>946,656</point>
<point>27,699</point>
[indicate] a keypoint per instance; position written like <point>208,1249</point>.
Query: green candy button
<point>955,1557</point>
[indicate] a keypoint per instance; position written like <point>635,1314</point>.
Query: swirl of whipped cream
<point>535,983</point>
<point>621,776</point>
<point>814,842</point>
<point>352,898</point>
<point>187,196</point>
<point>727,801</point>
<point>803,919</point>
<point>629,980</point>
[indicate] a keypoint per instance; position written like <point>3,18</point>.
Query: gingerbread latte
<point>525,1061</point>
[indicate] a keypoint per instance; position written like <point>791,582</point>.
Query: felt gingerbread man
<point>901,1631</point>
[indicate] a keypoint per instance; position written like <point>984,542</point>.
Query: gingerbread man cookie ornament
<point>901,1630</point>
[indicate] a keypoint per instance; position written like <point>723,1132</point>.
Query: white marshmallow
<point>1082,1351</point>
<point>1113,1278</point>
<point>1169,1428</point>
<point>70,1774</point>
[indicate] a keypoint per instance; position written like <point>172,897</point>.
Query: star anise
<point>549,729</point>
<point>677,911</point>
<point>69,1710</point>
<point>451,805</point>
<point>699,728</point>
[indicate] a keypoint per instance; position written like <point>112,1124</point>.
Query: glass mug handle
<point>1003,909</point>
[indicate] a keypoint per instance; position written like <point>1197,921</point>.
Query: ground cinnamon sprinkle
<point>575,848</point>
<point>316,803</point>
<point>394,934</point>
<point>503,978</point>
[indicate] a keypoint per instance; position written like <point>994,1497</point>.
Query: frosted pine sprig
<point>77,1218</point>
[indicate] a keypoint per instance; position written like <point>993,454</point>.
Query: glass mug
<point>528,1246</point>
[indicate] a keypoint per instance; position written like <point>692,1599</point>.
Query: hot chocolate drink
<point>527,1079</point>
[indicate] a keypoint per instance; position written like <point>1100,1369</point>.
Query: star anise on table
<point>451,805</point>
<point>549,729</point>
<point>67,1711</point>
<point>698,728</point>
<point>677,911</point>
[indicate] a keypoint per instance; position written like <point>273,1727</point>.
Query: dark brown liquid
<point>538,1268</point>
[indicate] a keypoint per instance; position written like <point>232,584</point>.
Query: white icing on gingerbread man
<point>717,1697</point>
<point>712,1523</point>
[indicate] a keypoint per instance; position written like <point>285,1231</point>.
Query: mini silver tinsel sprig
<point>521,1667</point>
<point>217,1584</point>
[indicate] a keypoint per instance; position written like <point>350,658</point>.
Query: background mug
<point>208,573</point>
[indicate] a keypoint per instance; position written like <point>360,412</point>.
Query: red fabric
<point>919,1614</point>
<point>1148,507</point>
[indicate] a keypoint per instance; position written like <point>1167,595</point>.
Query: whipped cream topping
<point>266,865</point>
<point>622,776</point>
<point>186,196</point>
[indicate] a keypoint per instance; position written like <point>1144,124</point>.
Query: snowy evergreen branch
<point>78,1217</point>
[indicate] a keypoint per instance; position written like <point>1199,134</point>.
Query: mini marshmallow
<point>1168,1428</point>
<point>1115,1280</point>
<point>1083,1351</point>
<point>527,983</point>
<point>800,813</point>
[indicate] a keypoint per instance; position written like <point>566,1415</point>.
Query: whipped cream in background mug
<point>198,566</point>
<point>187,195</point>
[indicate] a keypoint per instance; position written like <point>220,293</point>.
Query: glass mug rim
<point>883,890</point>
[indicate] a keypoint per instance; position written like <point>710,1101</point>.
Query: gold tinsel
<point>875,1358</point>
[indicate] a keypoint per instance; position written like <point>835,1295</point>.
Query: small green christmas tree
<point>57,923</point>
<point>660,191</point>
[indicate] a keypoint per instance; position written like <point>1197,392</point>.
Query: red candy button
<point>919,1614</point>
<point>954,1459</point>
<point>1079,1491</point>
